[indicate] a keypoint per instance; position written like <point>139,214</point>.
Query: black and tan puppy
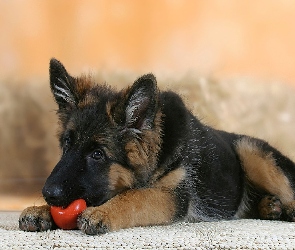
<point>139,157</point>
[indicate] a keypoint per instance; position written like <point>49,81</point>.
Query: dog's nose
<point>53,194</point>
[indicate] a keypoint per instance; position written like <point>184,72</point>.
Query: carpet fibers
<point>238,234</point>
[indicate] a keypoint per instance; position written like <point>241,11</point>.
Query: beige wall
<point>168,37</point>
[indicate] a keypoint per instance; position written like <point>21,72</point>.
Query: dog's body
<point>139,157</point>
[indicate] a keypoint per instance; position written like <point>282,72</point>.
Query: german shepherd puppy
<point>139,157</point>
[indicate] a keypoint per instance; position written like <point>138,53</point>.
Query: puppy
<point>139,157</point>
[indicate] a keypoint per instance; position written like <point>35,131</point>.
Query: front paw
<point>94,221</point>
<point>36,218</point>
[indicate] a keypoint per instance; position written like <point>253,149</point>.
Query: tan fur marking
<point>87,101</point>
<point>134,208</point>
<point>143,153</point>
<point>120,178</point>
<point>83,85</point>
<point>136,154</point>
<point>262,171</point>
<point>172,179</point>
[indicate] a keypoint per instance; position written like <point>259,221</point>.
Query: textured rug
<point>238,234</point>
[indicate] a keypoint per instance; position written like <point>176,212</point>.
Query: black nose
<point>54,195</point>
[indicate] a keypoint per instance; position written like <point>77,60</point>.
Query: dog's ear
<point>141,105</point>
<point>62,85</point>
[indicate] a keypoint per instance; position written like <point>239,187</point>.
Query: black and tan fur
<point>139,157</point>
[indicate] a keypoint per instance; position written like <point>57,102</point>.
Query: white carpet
<point>239,234</point>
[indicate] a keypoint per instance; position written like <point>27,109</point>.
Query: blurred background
<point>232,61</point>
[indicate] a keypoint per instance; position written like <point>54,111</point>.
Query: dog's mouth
<point>60,201</point>
<point>58,196</point>
<point>61,204</point>
<point>95,202</point>
<point>90,202</point>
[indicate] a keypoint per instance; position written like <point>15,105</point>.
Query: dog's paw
<point>270,208</point>
<point>36,218</point>
<point>94,221</point>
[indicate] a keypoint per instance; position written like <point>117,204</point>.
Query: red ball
<point>66,218</point>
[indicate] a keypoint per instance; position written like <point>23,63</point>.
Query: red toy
<point>66,218</point>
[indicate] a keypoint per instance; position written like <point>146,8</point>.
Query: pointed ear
<point>141,105</point>
<point>62,85</point>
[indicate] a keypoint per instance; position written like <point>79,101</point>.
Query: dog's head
<point>110,140</point>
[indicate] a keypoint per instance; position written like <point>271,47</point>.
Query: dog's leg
<point>36,218</point>
<point>137,207</point>
<point>269,172</point>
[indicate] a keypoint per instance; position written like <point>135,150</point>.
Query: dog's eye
<point>98,155</point>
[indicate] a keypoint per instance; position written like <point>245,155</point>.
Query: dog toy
<point>66,218</point>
